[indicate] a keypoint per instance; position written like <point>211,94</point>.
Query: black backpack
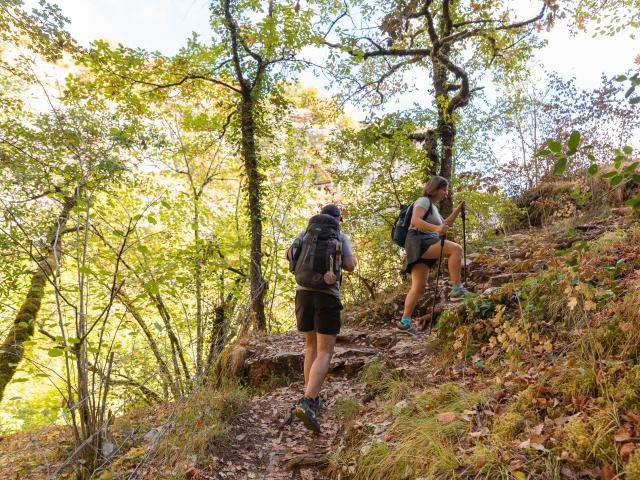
<point>401,226</point>
<point>317,258</point>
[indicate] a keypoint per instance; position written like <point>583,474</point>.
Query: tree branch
<point>476,31</point>
<point>232,27</point>
<point>184,79</point>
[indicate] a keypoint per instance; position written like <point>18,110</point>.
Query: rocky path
<point>263,445</point>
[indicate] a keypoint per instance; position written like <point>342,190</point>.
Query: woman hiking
<point>422,247</point>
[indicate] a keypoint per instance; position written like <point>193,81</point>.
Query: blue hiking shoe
<point>407,329</point>
<point>458,291</point>
<point>305,411</point>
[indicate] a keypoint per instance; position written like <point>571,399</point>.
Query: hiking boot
<point>305,411</point>
<point>458,292</point>
<point>407,329</point>
<point>319,404</point>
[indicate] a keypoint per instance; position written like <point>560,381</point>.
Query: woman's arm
<point>418,222</point>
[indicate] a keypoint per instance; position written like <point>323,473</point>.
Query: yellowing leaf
<point>498,316</point>
<point>446,417</point>
<point>589,305</point>
<point>573,301</point>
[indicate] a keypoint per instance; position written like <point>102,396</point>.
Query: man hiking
<point>317,257</point>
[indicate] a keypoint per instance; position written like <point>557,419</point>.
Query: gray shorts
<point>415,245</point>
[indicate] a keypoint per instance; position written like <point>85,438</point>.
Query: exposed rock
<point>382,339</point>
<point>351,336</point>
<point>405,348</point>
<point>286,364</point>
<point>491,291</point>
<point>588,226</point>
<point>351,358</point>
<point>316,459</point>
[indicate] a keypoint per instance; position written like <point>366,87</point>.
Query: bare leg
<point>453,254</point>
<point>310,353</point>
<point>419,275</point>
<point>320,366</point>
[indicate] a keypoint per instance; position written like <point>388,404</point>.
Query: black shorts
<point>318,312</point>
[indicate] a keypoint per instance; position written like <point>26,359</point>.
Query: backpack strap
<point>407,218</point>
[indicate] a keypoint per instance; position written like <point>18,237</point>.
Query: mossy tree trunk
<point>12,348</point>
<point>254,190</point>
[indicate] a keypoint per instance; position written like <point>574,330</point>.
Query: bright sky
<point>165,25</point>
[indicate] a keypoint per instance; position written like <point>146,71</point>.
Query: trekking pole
<point>464,244</point>
<point>435,286</point>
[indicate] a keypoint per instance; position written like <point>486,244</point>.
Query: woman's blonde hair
<point>433,185</point>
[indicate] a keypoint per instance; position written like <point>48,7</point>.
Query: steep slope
<point>533,376</point>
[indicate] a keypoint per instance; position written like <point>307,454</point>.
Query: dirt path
<point>264,446</point>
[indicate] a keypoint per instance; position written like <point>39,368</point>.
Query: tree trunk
<point>12,349</point>
<point>254,192</point>
<point>198,281</point>
<point>176,348</point>
<point>432,162</point>
<point>446,128</point>
<point>447,136</point>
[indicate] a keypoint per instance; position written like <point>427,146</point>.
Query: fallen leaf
<point>538,429</point>
<point>446,417</point>
<point>632,417</point>
<point>606,473</point>
<point>526,444</point>
<point>481,462</point>
<point>542,402</point>
<point>539,447</point>
<point>573,301</point>
<point>568,473</point>
<point>622,435</point>
<point>626,450</point>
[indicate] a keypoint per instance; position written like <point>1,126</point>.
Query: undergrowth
<point>196,427</point>
<point>554,358</point>
<point>421,441</point>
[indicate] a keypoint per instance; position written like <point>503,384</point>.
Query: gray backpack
<point>316,259</point>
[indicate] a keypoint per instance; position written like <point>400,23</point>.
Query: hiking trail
<point>263,446</point>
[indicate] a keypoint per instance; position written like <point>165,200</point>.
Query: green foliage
<point>634,82</point>
<point>423,445</point>
<point>625,168</point>
<point>203,421</point>
<point>347,408</point>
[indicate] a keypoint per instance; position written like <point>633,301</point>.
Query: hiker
<point>422,247</point>
<point>317,256</point>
